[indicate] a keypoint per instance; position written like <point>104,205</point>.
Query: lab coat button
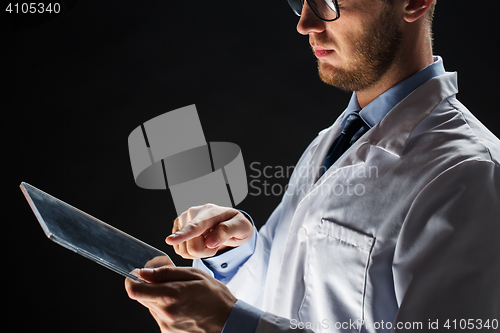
<point>224,265</point>
<point>302,234</point>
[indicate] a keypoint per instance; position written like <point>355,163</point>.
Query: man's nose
<point>309,22</point>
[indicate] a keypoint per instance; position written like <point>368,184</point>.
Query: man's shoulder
<point>453,130</point>
<point>478,131</point>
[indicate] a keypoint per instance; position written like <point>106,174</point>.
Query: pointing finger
<point>201,224</point>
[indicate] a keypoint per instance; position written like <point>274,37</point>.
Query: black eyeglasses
<point>327,10</point>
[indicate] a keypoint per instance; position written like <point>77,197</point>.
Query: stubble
<point>374,52</point>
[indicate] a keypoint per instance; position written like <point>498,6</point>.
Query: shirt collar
<point>379,107</point>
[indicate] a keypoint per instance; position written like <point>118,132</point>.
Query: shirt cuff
<point>225,265</point>
<point>243,318</point>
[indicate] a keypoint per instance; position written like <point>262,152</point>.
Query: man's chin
<point>343,79</point>
<point>336,77</point>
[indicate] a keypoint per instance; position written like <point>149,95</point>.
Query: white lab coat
<point>404,227</point>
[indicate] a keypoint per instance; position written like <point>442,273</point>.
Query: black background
<point>74,88</point>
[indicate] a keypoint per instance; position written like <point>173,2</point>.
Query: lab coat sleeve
<point>247,284</point>
<point>270,323</point>
<point>249,281</point>
<point>446,265</point>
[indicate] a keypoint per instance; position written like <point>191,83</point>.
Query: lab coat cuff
<point>243,318</point>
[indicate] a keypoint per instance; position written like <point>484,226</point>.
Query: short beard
<point>374,54</point>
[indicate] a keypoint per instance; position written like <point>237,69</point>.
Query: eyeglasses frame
<point>315,11</point>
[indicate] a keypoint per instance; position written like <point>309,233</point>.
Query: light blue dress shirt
<point>244,318</point>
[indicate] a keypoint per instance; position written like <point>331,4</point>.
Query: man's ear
<point>415,9</point>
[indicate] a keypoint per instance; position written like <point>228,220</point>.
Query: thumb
<point>168,274</point>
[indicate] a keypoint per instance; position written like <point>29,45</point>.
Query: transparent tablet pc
<point>88,236</point>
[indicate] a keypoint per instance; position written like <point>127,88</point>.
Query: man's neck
<point>394,75</point>
<point>412,58</point>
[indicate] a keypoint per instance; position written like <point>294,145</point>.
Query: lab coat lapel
<point>391,133</point>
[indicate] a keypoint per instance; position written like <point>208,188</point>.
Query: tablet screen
<point>88,236</point>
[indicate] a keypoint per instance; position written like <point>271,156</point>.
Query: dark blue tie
<point>350,133</point>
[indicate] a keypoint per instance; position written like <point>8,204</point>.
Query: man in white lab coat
<point>399,231</point>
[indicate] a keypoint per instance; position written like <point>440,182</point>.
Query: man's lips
<point>321,52</point>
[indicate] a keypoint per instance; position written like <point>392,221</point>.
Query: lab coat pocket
<point>335,277</point>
